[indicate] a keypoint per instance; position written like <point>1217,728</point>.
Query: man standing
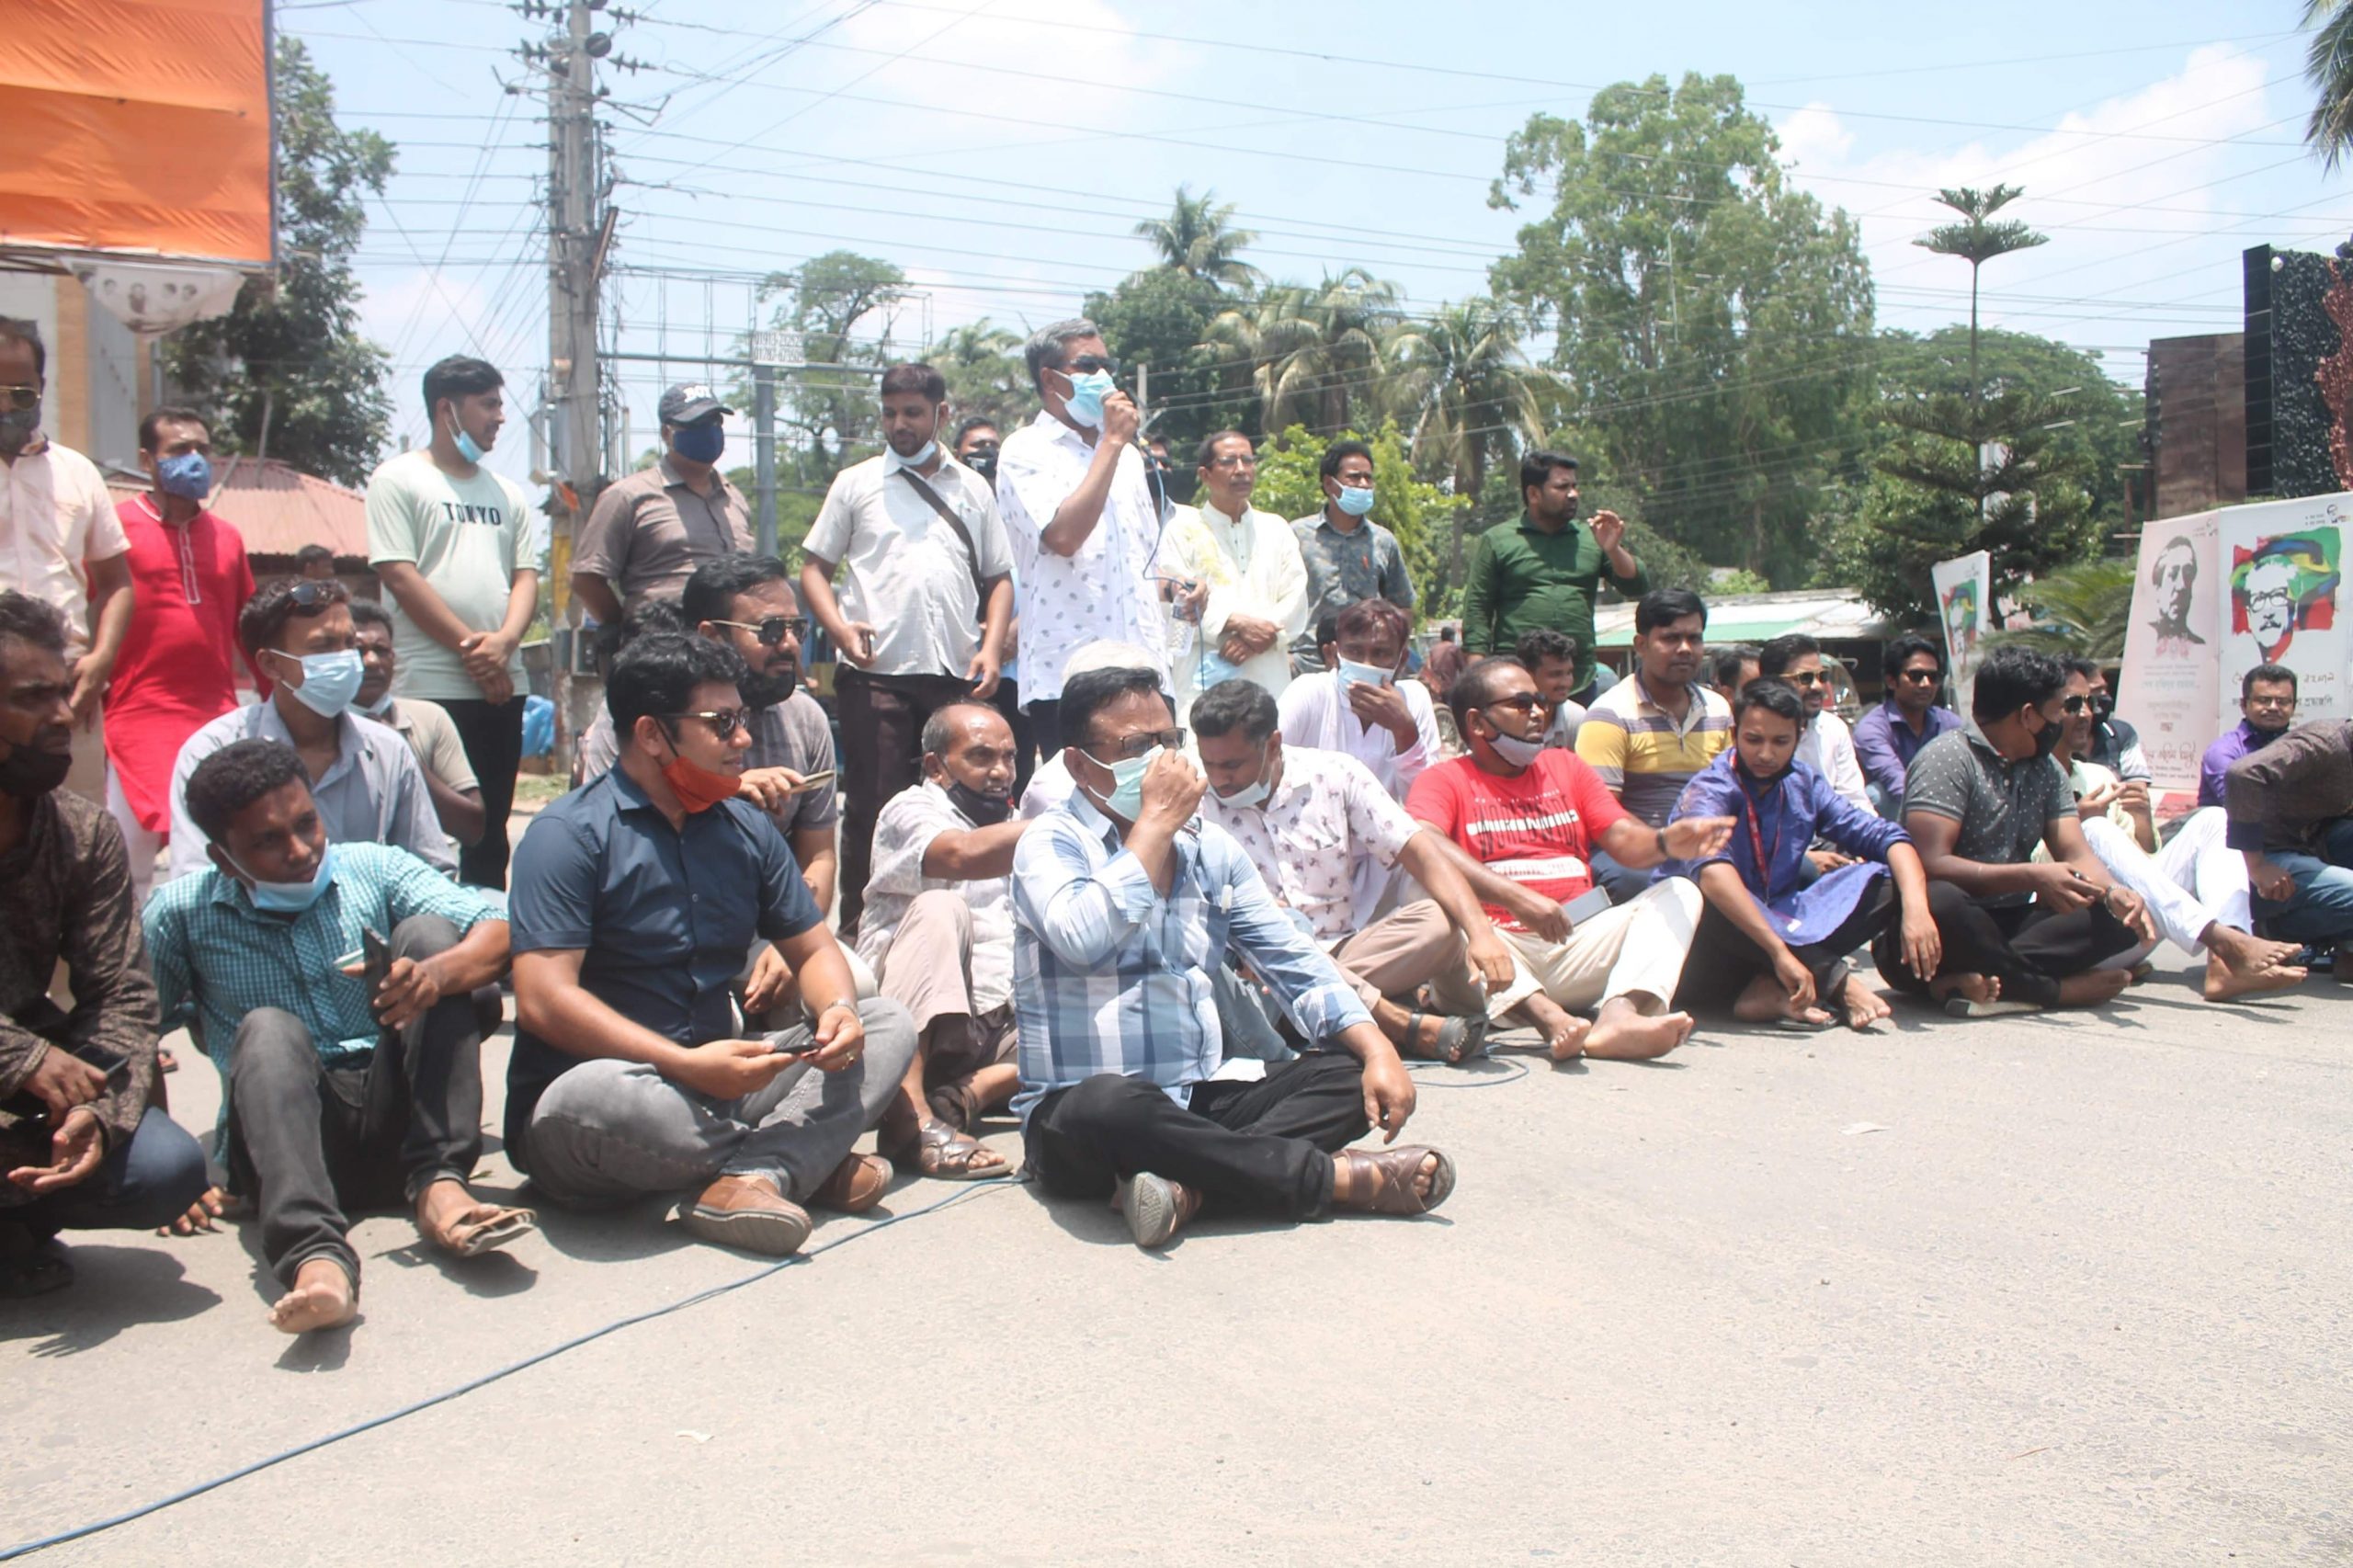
<point>977,444</point>
<point>636,898</point>
<point>460,549</point>
<point>1889,736</point>
<point>424,724</point>
<point>67,550</point>
<point>1544,570</point>
<point>1827,746</point>
<point>1647,736</point>
<point>1072,489</point>
<point>178,669</point>
<point>648,532</point>
<point>1552,657</point>
<point>315,563</point>
<point>1124,909</point>
<point>1348,557</point>
<point>921,622</point>
<point>1359,706</point>
<point>1246,598</point>
<point>2267,711</point>
<point>84,1150</point>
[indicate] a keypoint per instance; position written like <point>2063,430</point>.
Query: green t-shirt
<point>1522,579</point>
<point>467,538</point>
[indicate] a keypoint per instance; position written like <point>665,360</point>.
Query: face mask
<point>983,463</point>
<point>1087,392</point>
<point>699,443</point>
<point>188,476</point>
<point>1354,674</point>
<point>981,810</point>
<point>930,451</point>
<point>291,898</point>
<point>1519,753</point>
<point>1356,503</point>
<point>699,788</point>
<point>1126,800</point>
<point>28,773</point>
<point>18,428</point>
<point>329,681</point>
<point>468,448</point>
<point>378,707</point>
<point>2046,740</point>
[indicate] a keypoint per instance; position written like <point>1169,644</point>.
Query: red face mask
<point>699,788</point>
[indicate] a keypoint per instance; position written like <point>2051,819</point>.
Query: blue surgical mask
<point>1126,800</point>
<point>377,709</point>
<point>188,475</point>
<point>1087,390</point>
<point>1354,674</point>
<point>1254,793</point>
<point>468,448</point>
<point>329,681</point>
<point>699,443</point>
<point>291,898</point>
<point>930,451</point>
<point>1356,503</point>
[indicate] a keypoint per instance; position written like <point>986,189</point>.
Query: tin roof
<point>278,508</point>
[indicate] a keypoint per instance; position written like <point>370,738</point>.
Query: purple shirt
<point>2213,770</point>
<point>1885,745</point>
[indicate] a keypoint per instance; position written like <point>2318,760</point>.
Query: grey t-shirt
<point>2004,808</point>
<point>794,733</point>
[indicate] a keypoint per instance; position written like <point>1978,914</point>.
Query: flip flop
<point>502,1226</point>
<point>1962,1008</point>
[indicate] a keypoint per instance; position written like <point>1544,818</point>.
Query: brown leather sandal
<point>1392,1172</point>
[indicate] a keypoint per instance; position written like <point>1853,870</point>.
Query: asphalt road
<point>2062,1290</point>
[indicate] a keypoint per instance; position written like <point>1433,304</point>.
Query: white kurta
<point>1252,568</point>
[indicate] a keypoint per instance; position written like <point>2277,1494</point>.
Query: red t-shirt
<point>1538,829</point>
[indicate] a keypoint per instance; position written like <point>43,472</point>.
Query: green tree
<point>1466,389</point>
<point>1199,240</point>
<point>981,364</point>
<point>2328,66</point>
<point>1159,318</point>
<point>2083,608</point>
<point>1420,513</point>
<point>1311,354</point>
<point>286,373</point>
<point>843,305</point>
<point>1712,320</point>
<point>1977,240</point>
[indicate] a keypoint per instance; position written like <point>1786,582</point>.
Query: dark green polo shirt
<point>1523,579</point>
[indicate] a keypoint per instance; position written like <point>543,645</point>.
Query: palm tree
<point>2082,608</point>
<point>1978,242</point>
<point>1309,353</point>
<point>1197,238</point>
<point>1468,394</point>
<point>2328,65</point>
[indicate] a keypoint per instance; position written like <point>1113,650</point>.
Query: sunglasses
<point>723,721</point>
<point>772,630</point>
<point>1086,364</point>
<point>1521,703</point>
<point>312,596</point>
<point>1807,678</point>
<point>2076,705</point>
<point>20,397</point>
<point>1922,675</point>
<point>1136,746</point>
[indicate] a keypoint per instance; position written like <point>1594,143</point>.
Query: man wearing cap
<point>650,531</point>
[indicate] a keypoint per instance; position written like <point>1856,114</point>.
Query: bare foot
<point>1563,1032</point>
<point>2224,983</point>
<point>1624,1033</point>
<point>321,1298</point>
<point>1864,1006</point>
<point>1762,1002</point>
<point>2093,987</point>
<point>1968,987</point>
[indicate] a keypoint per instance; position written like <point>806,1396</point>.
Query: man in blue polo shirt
<point>635,899</point>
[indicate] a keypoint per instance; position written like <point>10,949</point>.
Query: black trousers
<point>1046,724</point>
<point>1725,960</point>
<point>1252,1148</point>
<point>2029,948</point>
<point>491,734</point>
<point>1007,702</point>
<point>883,719</point>
<point>306,1140</point>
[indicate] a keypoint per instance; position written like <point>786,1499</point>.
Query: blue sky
<point>1000,151</point>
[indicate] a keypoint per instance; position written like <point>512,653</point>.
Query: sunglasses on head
<point>770,631</point>
<point>312,596</point>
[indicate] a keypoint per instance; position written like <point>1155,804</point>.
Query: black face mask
<point>983,462</point>
<point>983,811</point>
<point>28,773</point>
<point>2046,740</point>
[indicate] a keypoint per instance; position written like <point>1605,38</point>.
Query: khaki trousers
<point>1401,952</point>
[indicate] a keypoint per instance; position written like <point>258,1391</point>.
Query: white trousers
<point>140,845</point>
<point>1632,950</point>
<point>2193,882</point>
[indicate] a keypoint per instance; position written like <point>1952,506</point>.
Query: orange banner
<point>137,125</point>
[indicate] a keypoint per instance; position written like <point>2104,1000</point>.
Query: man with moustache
<point>1649,736</point>
<point>1546,572</point>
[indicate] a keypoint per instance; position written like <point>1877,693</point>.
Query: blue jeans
<point>2321,911</point>
<point>145,1181</point>
<point>1622,883</point>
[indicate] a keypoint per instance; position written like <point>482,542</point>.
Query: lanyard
<point>1765,857</point>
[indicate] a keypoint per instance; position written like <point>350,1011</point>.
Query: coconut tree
<point>1197,238</point>
<point>1977,242</point>
<point>1466,390</point>
<point>2328,65</point>
<point>1311,354</point>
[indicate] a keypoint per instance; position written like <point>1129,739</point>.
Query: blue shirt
<point>1790,812</point>
<point>2214,768</point>
<point>665,916</point>
<point>1108,976</point>
<point>1885,745</point>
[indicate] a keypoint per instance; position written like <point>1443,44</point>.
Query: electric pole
<point>580,228</point>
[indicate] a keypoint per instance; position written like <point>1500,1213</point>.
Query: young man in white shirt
<point>1827,745</point>
<point>1247,593</point>
<point>1358,705</point>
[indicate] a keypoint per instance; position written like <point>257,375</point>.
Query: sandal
<point>487,1229</point>
<point>956,1105</point>
<point>1392,1170</point>
<point>946,1154</point>
<point>1458,1039</point>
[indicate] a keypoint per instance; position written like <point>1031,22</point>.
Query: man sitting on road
<point>1826,746</point>
<point>2288,808</point>
<point>1773,943</point>
<point>1552,658</point>
<point>939,932</point>
<point>349,1079</point>
<point>635,899</point>
<point>364,778</point>
<point>81,1146</point>
<point>1528,819</point>
<point>1356,703</point>
<point>425,724</point>
<point>1124,907</point>
<point>2267,711</point>
<point>1649,736</point>
<point>1889,736</point>
<point>1326,839</point>
<point>2016,934</point>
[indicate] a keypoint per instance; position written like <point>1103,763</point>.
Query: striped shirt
<point>1645,755</point>
<point>1109,976</point>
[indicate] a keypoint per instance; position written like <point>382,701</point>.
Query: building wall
<point>2197,414</point>
<point>96,363</point>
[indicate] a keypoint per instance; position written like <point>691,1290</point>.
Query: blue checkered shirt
<point>1110,977</point>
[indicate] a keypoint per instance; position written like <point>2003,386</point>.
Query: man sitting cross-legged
<point>1773,946</point>
<point>1528,818</point>
<point>332,1096</point>
<point>937,930</point>
<point>1124,906</point>
<point>1325,837</point>
<point>80,1147</point>
<point>2016,934</point>
<point>635,899</point>
<point>2291,818</point>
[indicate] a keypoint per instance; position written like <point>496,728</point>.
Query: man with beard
<point>977,444</point>
<point>2268,709</point>
<point>80,1146</point>
<point>1544,570</point>
<point>921,621</point>
<point>1647,736</point>
<point>1827,745</point>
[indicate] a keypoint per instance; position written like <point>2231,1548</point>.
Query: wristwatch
<point>1661,835</point>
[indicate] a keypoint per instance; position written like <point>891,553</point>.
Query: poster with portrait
<point>2284,561</point>
<point>1965,609</point>
<point>2173,647</point>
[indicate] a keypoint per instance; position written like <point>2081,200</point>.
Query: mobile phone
<point>1585,906</point>
<point>31,1112</point>
<point>813,781</point>
<point>378,955</point>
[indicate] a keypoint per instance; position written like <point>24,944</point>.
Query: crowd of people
<point>1138,832</point>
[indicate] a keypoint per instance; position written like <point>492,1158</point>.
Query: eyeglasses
<point>1519,703</point>
<point>1806,678</point>
<point>314,594</point>
<point>20,397</point>
<point>723,722</point>
<point>1134,746</point>
<point>1237,461</point>
<point>1922,675</point>
<point>770,631</point>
